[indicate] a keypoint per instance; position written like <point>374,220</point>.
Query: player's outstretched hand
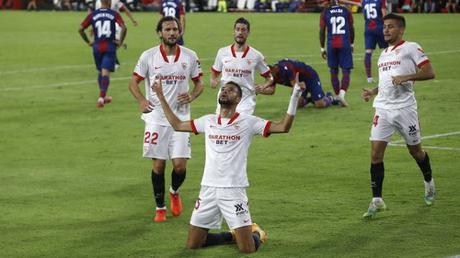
<point>367,94</point>
<point>134,23</point>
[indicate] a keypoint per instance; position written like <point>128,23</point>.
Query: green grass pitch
<point>73,182</point>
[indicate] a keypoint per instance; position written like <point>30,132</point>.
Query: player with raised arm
<point>284,72</point>
<point>373,11</point>
<point>176,9</point>
<point>175,65</point>
<point>400,65</point>
<point>338,22</point>
<point>228,136</point>
<point>104,46</point>
<point>238,63</point>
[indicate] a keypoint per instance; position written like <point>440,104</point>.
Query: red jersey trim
<point>177,53</point>
<point>245,52</point>
<point>192,124</point>
<point>215,71</point>
<point>138,77</point>
<point>232,48</point>
<point>219,119</point>
<point>397,45</point>
<point>163,54</point>
<point>267,129</point>
<point>266,74</point>
<point>197,77</point>
<point>423,63</point>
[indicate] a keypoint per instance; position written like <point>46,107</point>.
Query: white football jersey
<point>240,67</point>
<point>401,59</point>
<point>175,73</point>
<point>227,143</point>
<point>115,5</point>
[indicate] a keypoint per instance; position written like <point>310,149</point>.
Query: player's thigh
<point>97,59</point>
<point>156,141</point>
<point>108,61</point>
<point>179,145</point>
<point>244,239</point>
<point>233,204</point>
<point>382,126</point>
<point>332,58</point>
<point>206,213</point>
<point>346,58</point>
<point>370,40</point>
<point>408,125</point>
<point>196,237</point>
<point>316,89</point>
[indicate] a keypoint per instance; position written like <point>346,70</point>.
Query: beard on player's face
<point>171,42</point>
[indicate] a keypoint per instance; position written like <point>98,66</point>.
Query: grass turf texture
<point>73,183</point>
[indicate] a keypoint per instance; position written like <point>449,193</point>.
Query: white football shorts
<point>162,142</point>
<point>216,203</point>
<point>404,120</point>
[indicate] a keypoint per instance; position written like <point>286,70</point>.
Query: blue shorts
<point>374,37</point>
<point>339,57</point>
<point>104,60</point>
<point>314,88</point>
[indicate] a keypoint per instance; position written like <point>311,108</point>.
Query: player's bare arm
<point>367,93</point>
<point>83,35</point>
<point>267,87</point>
<point>182,23</point>
<point>322,40</point>
<point>350,2</point>
<point>186,97</point>
<point>214,81</point>
<point>425,72</point>
<point>130,15</point>
<point>285,125</point>
<point>176,123</point>
<point>145,106</point>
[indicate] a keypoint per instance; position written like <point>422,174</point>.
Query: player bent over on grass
<point>284,72</point>
<point>223,186</point>
<point>400,65</point>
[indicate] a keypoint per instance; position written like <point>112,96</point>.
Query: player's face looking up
<point>240,33</point>
<point>392,31</point>
<point>229,95</point>
<point>169,33</point>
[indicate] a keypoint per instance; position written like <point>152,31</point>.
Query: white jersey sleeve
<point>142,68</point>
<point>199,124</point>
<point>195,71</point>
<point>418,55</point>
<point>262,66</point>
<point>260,126</point>
<point>217,66</point>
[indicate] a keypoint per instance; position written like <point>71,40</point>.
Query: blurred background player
<point>400,65</point>
<point>228,136</point>
<point>175,66</point>
<point>103,22</point>
<point>117,6</point>
<point>284,72</point>
<point>373,11</point>
<point>238,63</point>
<point>338,21</point>
<point>175,8</point>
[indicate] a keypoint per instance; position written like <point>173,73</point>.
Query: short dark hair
<point>242,21</point>
<point>238,87</point>
<point>166,19</point>
<point>400,19</point>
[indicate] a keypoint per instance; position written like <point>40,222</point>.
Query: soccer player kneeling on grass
<point>223,187</point>
<point>400,65</point>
